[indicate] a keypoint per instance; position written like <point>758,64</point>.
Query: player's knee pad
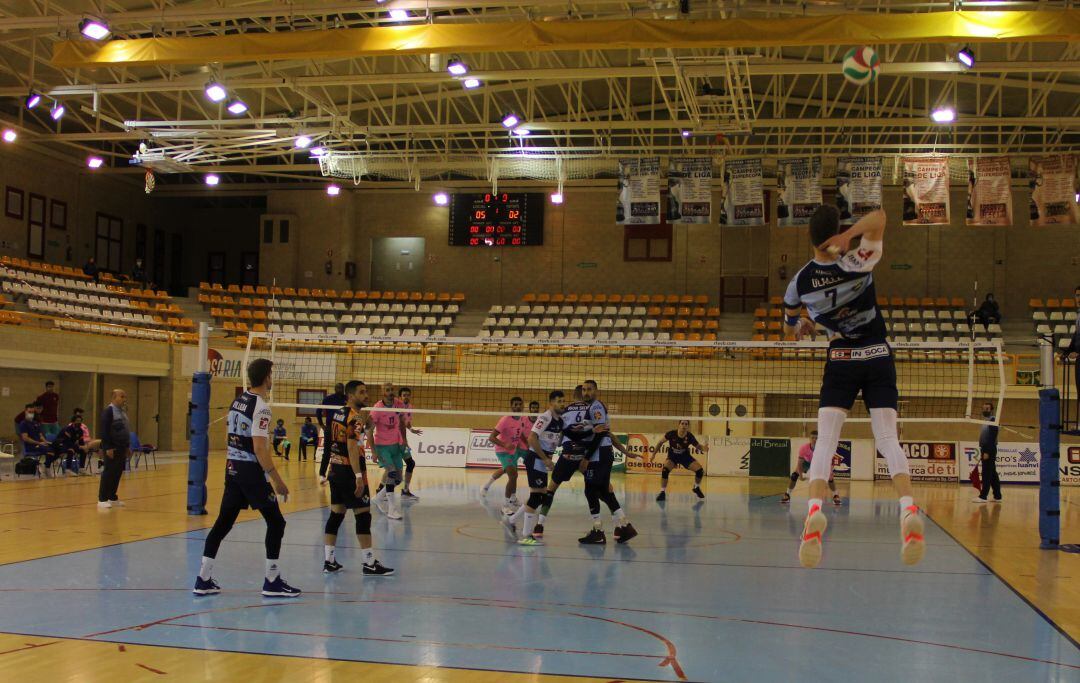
<point>794,477</point>
<point>535,500</point>
<point>666,473</point>
<point>410,465</point>
<point>393,478</point>
<point>333,522</point>
<point>830,423</point>
<point>698,475</point>
<point>363,523</point>
<point>883,423</point>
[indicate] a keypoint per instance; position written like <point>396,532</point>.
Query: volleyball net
<point>469,381</point>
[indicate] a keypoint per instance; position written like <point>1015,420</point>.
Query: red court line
<point>150,669</point>
<point>28,646</point>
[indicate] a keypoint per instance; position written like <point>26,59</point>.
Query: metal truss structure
<point>403,118</point>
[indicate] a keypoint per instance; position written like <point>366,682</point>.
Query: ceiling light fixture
<point>33,100</point>
<point>211,179</point>
<point>510,120</point>
<point>302,142</point>
<point>10,135</point>
<point>522,131</point>
<point>556,198</point>
<point>57,111</point>
<point>237,107</point>
<point>943,115</point>
<point>215,91</point>
<point>95,162</point>
<point>95,29</point>
<point>471,83</point>
<point>966,57</point>
<point>399,14</point>
<point>333,190</point>
<point>441,198</point>
<point>456,67</point>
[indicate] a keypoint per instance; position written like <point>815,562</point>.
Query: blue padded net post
<point>1049,473</point>
<point>198,456</point>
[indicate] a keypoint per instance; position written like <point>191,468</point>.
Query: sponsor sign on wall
<point>729,456</point>
<point>228,364</point>
<point>927,460</point>
<point>1017,463</point>
<point>1070,466</point>
<point>653,450</point>
<point>926,191</point>
<point>440,447</point>
<point>481,452</point>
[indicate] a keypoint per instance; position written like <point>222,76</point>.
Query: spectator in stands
<point>90,268</point>
<point>279,439</point>
<point>115,432</point>
<point>31,410</point>
<point>1072,351</point>
<point>309,435</point>
<point>34,443</point>
<point>68,445</point>
<point>50,409</point>
<point>988,312</point>
<point>138,273</point>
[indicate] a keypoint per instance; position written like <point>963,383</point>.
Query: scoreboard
<point>497,219</point>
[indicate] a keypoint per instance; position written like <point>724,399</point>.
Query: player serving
<point>837,288</point>
<point>348,482</point>
<point>680,442</point>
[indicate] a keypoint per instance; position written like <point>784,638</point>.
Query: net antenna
<point>466,381</point>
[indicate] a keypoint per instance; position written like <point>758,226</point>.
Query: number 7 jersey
<point>840,295</point>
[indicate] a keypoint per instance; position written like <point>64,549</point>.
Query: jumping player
<point>680,442</point>
<point>837,288</point>
<point>251,480</point>
<point>405,396</point>
<point>384,432</point>
<point>806,454</point>
<point>348,482</point>
<point>508,437</point>
<point>543,443</point>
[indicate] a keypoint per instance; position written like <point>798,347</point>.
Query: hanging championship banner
<point>689,184</point>
<point>743,193</point>
<point>858,187</point>
<point>639,192</point>
<point>989,191</point>
<point>1053,190</point>
<point>926,191</point>
<point>798,187</point>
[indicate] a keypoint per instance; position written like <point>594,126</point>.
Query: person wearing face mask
<point>33,439</point>
<point>988,439</point>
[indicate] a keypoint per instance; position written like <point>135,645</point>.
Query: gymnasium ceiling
<point>591,80</point>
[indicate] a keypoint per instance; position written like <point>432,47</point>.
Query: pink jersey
<point>806,452</point>
<point>387,424</point>
<point>511,430</point>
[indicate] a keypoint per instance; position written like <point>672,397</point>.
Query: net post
<point>1049,473</point>
<point>198,428</point>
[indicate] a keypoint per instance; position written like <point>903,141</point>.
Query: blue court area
<point>708,592</point>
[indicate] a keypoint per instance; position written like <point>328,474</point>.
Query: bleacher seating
<point>239,310</point>
<point>907,318</point>
<point>605,317</point>
<point>61,295</point>
<point>1054,318</point>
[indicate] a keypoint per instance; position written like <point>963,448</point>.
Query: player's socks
<point>905,503</point>
<point>368,555</point>
<point>541,518</point>
<point>273,570</point>
<point>206,567</point>
<point>810,547</point>
<point>530,524</point>
<point>619,516</point>
<point>328,553</point>
<point>911,533</point>
<point>516,516</point>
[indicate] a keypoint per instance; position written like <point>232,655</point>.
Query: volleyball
<point>861,65</point>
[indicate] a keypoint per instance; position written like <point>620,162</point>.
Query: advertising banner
<point>440,447</point>
<point>729,456</point>
<point>653,450</point>
<point>639,192</point>
<point>926,191</point>
<point>989,191</point>
<point>858,187</point>
<point>1017,463</point>
<point>1070,466</point>
<point>689,185</point>
<point>743,201</point>
<point>927,460</point>
<point>798,186</point>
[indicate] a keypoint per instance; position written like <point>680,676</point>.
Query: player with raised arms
<point>806,455</point>
<point>837,288</point>
<point>681,442</point>
<point>251,481</point>
<point>348,481</point>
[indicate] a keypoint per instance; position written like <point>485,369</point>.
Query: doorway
<point>249,268</point>
<point>215,267</point>
<point>397,263</point>
<point>147,414</point>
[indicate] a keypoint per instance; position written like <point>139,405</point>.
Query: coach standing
<point>50,410</point>
<point>114,429</point>
<point>988,439</point>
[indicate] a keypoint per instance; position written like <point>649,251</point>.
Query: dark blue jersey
<point>840,295</point>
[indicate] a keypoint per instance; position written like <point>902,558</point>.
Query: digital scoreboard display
<point>497,219</point>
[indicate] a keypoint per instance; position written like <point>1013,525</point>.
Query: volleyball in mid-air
<point>861,65</point>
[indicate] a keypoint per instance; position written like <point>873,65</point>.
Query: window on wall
<point>647,242</point>
<point>109,243</point>
<point>268,231</point>
<point>283,230</point>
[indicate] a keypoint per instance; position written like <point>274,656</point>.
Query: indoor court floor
<point>710,591</point>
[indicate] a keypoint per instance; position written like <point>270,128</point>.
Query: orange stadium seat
<point>303,292</point>
<point>204,299</point>
<point>233,289</point>
<point>957,302</point>
<point>679,336</point>
<point>247,289</point>
<point>600,298</point>
<point>429,296</point>
<point>1036,304</point>
<point>759,326</point>
<point>684,311</point>
<point>399,296</point>
<point>941,302</point>
<point>713,312</point>
<point>629,298</point>
<point>245,302</point>
<point>458,297</point>
<point>681,324</point>
<point>258,327</point>
<point>315,294</point>
<point>242,327</point>
<point>686,299</point>
<point>712,325</point>
<point>614,298</point>
<point>671,299</point>
<point>669,312</point>
<point>1068,304</point>
<point>330,294</point>
<point>416,296</point>
<point>911,302</point>
<point>529,298</point>
<point>710,336</point>
<point>896,302</point>
<point>1053,303</point>
<point>697,325</point>
<point>540,298</point>
<point>276,291</point>
<point>259,315</point>
<point>571,298</point>
<point>698,312</point>
<point>558,298</point>
<point>776,301</point>
<point>666,325</point>
<point>926,302</point>
<point>245,315</point>
<point>289,292</point>
<point>656,299</point>
<point>443,297</point>
<point>653,311</point>
<point>694,337</point>
<point>585,299</point>
<point>882,302</point>
<point>776,313</point>
<point>261,290</point>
